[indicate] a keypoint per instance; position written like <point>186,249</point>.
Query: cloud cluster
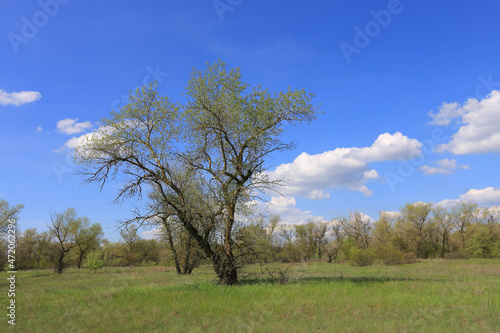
<point>18,98</point>
<point>489,196</point>
<point>444,166</point>
<point>313,175</point>
<point>480,120</point>
<point>71,126</point>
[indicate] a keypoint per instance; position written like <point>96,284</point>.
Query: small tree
<point>87,238</point>
<point>63,229</point>
<point>94,261</point>
<point>444,223</point>
<point>463,215</point>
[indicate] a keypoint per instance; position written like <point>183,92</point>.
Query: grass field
<point>430,296</point>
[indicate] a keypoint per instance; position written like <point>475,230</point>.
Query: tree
<point>383,231</point>
<point>359,227</point>
<point>463,214</point>
<point>63,229</point>
<point>219,140</point>
<point>414,223</point>
<point>8,213</point>
<point>337,232</point>
<point>130,237</point>
<point>444,224</point>
<point>29,249</point>
<point>87,238</point>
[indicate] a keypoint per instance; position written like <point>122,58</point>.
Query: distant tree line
<point>418,231</point>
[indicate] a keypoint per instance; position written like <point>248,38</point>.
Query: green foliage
<point>94,261</point>
<point>362,257</point>
<point>389,255</point>
<point>483,244</point>
<point>7,213</point>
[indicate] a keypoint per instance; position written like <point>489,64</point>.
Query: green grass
<point>430,296</point>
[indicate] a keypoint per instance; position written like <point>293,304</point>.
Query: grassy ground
<point>431,296</point>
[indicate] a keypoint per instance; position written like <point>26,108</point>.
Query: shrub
<point>93,261</point>
<point>458,254</point>
<point>389,255</point>
<point>361,257</point>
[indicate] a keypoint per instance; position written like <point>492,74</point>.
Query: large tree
<point>220,137</point>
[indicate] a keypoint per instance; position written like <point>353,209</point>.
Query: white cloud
<point>488,195</point>
<point>447,112</point>
<point>18,98</point>
<point>388,147</point>
<point>154,233</point>
<point>480,130</point>
<point>485,197</point>
<point>313,175</point>
<point>286,208</point>
<point>82,139</point>
<point>39,129</point>
<point>70,126</point>
<point>445,167</point>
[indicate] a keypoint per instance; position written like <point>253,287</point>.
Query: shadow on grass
<point>313,279</point>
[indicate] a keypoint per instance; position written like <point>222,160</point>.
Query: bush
<point>458,254</point>
<point>93,261</point>
<point>483,244</point>
<point>389,255</point>
<point>361,257</point>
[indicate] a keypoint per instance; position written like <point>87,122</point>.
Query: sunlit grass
<point>431,296</point>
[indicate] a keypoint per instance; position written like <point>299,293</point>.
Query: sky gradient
<point>409,94</point>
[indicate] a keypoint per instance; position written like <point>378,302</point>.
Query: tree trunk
<point>172,248</point>
<point>60,263</point>
<point>226,270</point>
<point>187,269</point>
<point>80,259</point>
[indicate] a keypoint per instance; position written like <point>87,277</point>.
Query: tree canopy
<point>203,157</point>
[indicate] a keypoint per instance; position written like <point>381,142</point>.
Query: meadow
<point>429,296</point>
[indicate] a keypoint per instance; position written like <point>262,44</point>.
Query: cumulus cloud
<point>480,130</point>
<point>286,208</point>
<point>313,175</point>
<point>71,126</point>
<point>447,112</point>
<point>444,166</point>
<point>84,138</point>
<point>18,98</point>
<point>489,196</point>
<point>39,129</point>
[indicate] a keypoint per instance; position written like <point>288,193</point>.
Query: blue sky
<point>408,91</point>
